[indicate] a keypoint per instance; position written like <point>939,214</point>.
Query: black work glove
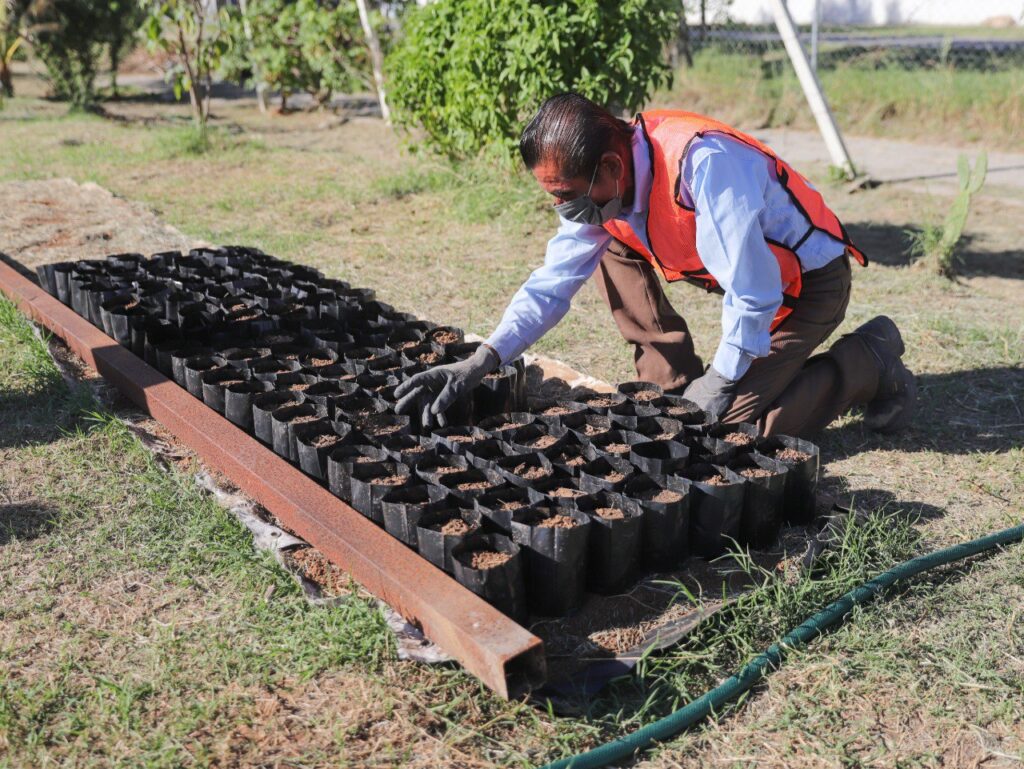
<point>437,388</point>
<point>712,392</point>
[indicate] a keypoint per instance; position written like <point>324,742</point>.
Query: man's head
<point>572,145</point>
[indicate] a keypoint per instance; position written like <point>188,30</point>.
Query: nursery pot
<point>604,474</point>
<point>641,392</point>
<point>554,543</point>
<point>238,400</point>
<point>370,481</point>
<point>803,459</point>
<point>402,508</point>
<point>660,457</point>
<point>195,368</point>
<point>263,406</point>
<point>490,565</point>
<point>616,536</point>
<point>341,461</point>
<point>441,527</point>
<point>283,422</point>
<point>496,394</point>
<point>665,500</point>
<point>745,437</point>
<point>716,509</point>
<point>314,443</point>
<point>495,507</point>
<point>763,499</point>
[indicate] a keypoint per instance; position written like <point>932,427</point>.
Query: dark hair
<point>574,132</point>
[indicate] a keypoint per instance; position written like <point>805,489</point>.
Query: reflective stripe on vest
<point>672,227</point>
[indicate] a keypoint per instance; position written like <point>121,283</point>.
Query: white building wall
<point>872,12</point>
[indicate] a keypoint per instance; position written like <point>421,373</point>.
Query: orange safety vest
<point>672,227</point>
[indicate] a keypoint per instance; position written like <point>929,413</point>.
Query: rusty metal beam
<point>504,655</point>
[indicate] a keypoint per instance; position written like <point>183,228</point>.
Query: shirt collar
<point>641,172</point>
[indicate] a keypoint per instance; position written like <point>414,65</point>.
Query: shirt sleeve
<point>572,256</point>
<point>727,186</point>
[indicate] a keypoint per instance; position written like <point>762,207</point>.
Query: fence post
<point>815,28</point>
<point>812,89</point>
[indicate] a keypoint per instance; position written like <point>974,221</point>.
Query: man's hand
<point>438,388</point>
<point>712,392</point>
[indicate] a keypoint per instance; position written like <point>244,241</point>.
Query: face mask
<point>584,210</point>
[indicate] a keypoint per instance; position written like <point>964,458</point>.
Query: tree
<point>69,37</point>
<point>196,40</point>
<point>470,72</point>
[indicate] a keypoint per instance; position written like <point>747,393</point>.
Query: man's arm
<point>727,184</point>
<point>572,256</point>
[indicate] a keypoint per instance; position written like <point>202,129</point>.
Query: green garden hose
<point>661,730</point>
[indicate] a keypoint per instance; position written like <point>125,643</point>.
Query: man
<point>689,198</point>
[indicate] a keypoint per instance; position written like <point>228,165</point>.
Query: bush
<point>298,46</point>
<point>470,72</point>
<point>70,36</point>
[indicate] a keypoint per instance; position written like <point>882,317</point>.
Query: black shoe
<point>893,405</point>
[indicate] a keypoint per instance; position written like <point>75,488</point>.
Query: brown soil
<point>460,438</point>
<point>543,442</point>
<point>558,522</point>
<point>405,345</point>
<point>565,491</point>
<point>445,337</point>
<point>247,316</point>
<point>646,395</point>
<point>362,458</point>
<point>663,436</point>
<point>319,362</point>
<point>429,357</point>
<point>755,472</point>
<point>617,448</point>
<point>445,469</point>
<point>613,476</point>
<point>791,455</point>
<point>456,527</point>
<point>472,485</point>
<point>509,426</point>
<point>414,450</point>
<point>485,559</point>
<point>300,386</point>
<point>592,429</point>
<point>511,504</point>
<point>229,382</point>
<point>316,568</point>
<point>384,430</point>
<point>325,440</point>
<point>680,410</point>
<point>496,375</point>
<point>738,439</point>
<point>556,411</point>
<point>714,480</point>
<point>530,472</point>
<point>601,403</point>
<point>305,418</point>
<point>662,496</point>
<point>389,480</point>
<point>129,305</point>
<point>610,513</point>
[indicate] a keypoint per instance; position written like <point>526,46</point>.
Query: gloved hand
<point>712,392</point>
<point>437,388</point>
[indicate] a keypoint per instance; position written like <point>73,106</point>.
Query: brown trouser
<point>787,391</point>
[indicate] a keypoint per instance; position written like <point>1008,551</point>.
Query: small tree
<point>10,41</point>
<point>196,42</point>
<point>935,245</point>
<point>470,72</point>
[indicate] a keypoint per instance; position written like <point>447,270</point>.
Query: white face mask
<point>584,210</point>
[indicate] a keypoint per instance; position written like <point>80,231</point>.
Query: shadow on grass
<point>889,244</point>
<point>25,521</point>
<point>961,412</point>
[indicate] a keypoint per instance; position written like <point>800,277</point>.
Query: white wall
<point>870,12</point>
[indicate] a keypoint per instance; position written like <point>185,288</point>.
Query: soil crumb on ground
<point>558,522</point>
<point>485,559</point>
<point>316,568</point>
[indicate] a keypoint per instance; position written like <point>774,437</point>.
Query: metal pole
<point>812,89</point>
<point>815,24</point>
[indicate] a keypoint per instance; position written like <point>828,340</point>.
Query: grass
<point>943,104</point>
<point>138,627</point>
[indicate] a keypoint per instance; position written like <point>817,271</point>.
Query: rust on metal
<point>501,653</point>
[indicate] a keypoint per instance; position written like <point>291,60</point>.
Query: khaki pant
<point>788,391</point>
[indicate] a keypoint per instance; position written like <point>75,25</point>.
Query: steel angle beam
<point>501,653</point>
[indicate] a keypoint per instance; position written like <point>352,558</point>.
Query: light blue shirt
<point>738,202</point>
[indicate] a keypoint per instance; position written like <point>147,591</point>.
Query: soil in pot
<point>599,403</point>
<point>803,459</point>
<point>501,424</point>
<point>678,407</point>
<point>604,474</point>
<point>524,469</point>
<point>495,507</point>
<point>446,335</point>
<point>641,392</point>
<point>434,468</point>
<point>195,368</point>
<point>554,545</point>
<point>314,442</point>
<point>215,382</point>
<point>569,457</point>
<point>263,406</point>
<point>481,453</point>
<point>716,509</point>
<point>284,436</point>
<point>403,506</point>
<point>439,530</point>
<point>238,399</point>
<point>370,481</point>
<point>618,443</point>
<point>661,429</point>
<point>456,438</point>
<point>763,500</point>
<point>490,565</point>
<point>496,394</point>
<point>471,483</point>
<point>343,458</point>
<point>616,536</point>
<point>665,500</point>
<point>587,425</point>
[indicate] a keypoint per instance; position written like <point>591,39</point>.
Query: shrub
<point>470,72</point>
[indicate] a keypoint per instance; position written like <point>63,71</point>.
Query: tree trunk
<point>376,58</point>
<point>261,87</point>
<point>683,46</point>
